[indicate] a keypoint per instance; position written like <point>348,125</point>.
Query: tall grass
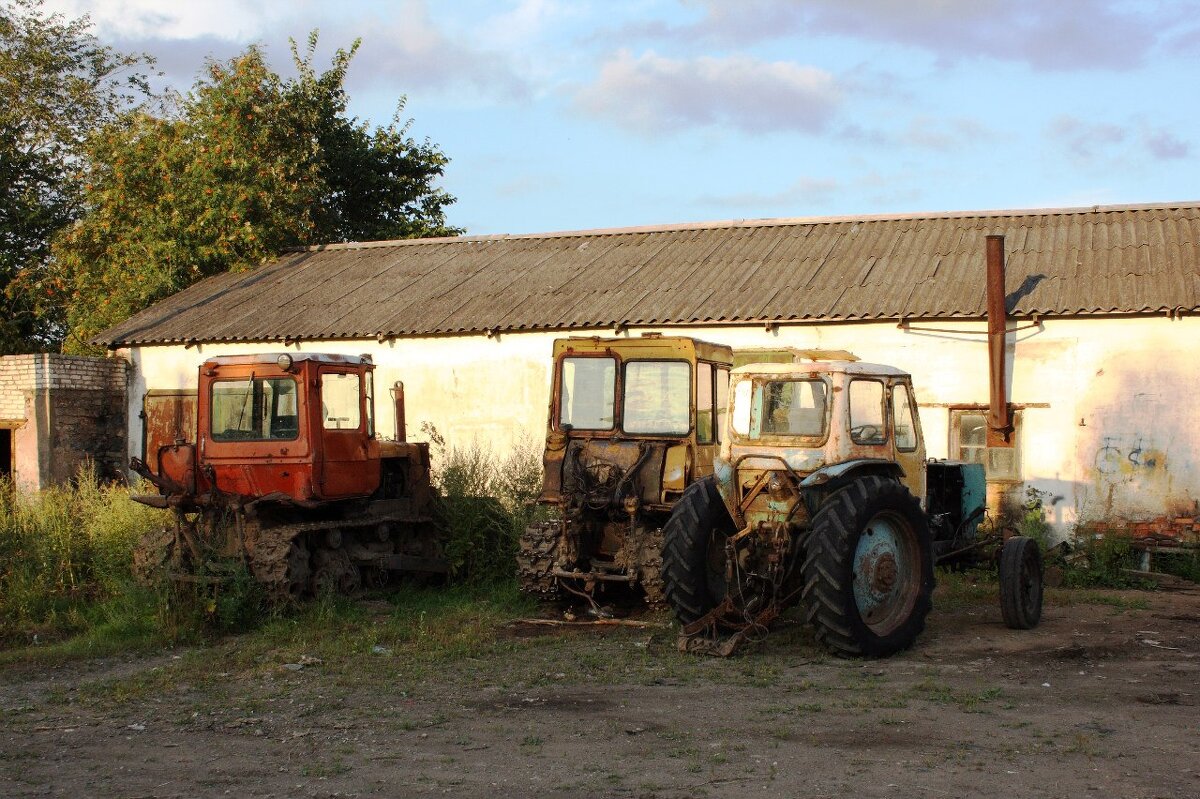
<point>486,501</point>
<point>66,556</point>
<point>64,553</point>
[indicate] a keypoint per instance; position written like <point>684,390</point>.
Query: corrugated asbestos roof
<point>1102,260</point>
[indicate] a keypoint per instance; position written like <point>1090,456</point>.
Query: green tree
<point>57,85</point>
<point>246,164</point>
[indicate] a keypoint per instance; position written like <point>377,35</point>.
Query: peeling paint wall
<point>1107,429</point>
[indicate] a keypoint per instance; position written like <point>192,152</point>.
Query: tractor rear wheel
<point>1021,583</point>
<point>693,560</point>
<point>868,570</point>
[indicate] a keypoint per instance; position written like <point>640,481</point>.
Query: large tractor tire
<point>1021,583</point>
<point>693,561</point>
<point>868,569</point>
<point>536,555</point>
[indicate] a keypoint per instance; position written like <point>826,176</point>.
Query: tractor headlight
<point>284,362</point>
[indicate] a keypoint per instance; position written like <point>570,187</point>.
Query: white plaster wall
<point>1111,429</point>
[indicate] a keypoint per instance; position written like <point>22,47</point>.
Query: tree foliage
<point>247,164</point>
<point>58,83</point>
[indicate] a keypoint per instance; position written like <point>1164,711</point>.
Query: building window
<point>968,442</point>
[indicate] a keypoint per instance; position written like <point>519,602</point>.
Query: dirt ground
<point>1100,700</point>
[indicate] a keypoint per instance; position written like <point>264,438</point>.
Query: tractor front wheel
<point>693,560</point>
<point>868,570</point>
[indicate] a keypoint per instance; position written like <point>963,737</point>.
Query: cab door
<point>712,395</point>
<point>907,442</point>
<point>346,468</point>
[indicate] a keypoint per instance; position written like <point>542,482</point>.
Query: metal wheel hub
<point>884,565</point>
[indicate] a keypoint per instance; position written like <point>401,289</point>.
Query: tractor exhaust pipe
<point>398,404</point>
<point>999,419</point>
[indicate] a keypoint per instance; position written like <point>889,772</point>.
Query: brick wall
<point>18,373</point>
<point>72,407</point>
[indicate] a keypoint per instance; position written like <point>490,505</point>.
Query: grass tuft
<point>65,558</point>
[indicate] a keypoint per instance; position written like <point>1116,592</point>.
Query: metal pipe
<point>999,419</point>
<point>398,404</point>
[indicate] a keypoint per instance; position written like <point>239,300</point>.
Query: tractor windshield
<point>587,390</point>
<point>658,398</point>
<point>254,409</point>
<point>780,408</point>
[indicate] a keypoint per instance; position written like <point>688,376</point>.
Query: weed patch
<point>65,556</point>
<point>486,502</point>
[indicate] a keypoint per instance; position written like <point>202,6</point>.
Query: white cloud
<point>1165,145</point>
<point>1086,141</point>
<point>413,51</point>
<point>231,20</point>
<point>1058,35</point>
<point>651,93</point>
<point>405,48</point>
<point>1104,144</point>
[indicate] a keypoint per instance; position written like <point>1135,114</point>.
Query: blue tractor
<point>822,496</point>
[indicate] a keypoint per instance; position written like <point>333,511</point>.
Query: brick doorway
<point>6,453</point>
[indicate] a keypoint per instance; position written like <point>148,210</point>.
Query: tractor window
<point>866,412</point>
<point>722,400</point>
<point>658,398</point>
<point>369,378</point>
<point>340,400</point>
<point>780,408</point>
<point>793,408</point>
<point>902,420</point>
<point>587,393</point>
<point>255,409</point>
<point>741,407</point>
<point>704,403</point>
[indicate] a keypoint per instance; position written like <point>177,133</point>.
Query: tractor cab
<point>633,421</point>
<point>287,475</point>
<point>799,426</point>
<point>296,428</point>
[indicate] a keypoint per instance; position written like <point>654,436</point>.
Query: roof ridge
<point>752,223</point>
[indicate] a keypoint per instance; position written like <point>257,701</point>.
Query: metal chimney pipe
<point>999,420</point>
<point>398,404</point>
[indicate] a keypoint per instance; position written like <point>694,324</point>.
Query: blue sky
<point>565,115</point>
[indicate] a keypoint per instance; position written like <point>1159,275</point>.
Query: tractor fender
<point>827,479</point>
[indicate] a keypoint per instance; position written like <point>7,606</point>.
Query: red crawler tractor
<point>286,474</point>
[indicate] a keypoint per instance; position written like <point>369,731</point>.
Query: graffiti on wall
<point>1117,457</point>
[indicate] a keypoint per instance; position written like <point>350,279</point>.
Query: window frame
<point>884,415</point>
<point>617,390</point>
<point>691,403</point>
<point>757,386</point>
<point>720,405</point>
<point>913,421</point>
<point>715,437</point>
<point>252,379</point>
<point>358,428</point>
<point>954,443</point>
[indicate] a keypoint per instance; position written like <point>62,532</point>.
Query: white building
<point>1102,349</point>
